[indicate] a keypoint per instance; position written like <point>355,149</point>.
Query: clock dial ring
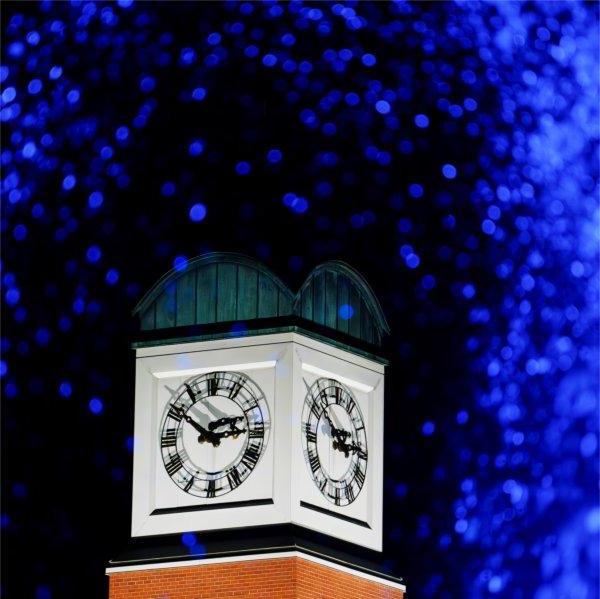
<point>211,414</point>
<point>342,483</point>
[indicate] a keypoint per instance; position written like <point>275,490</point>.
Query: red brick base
<point>273,578</point>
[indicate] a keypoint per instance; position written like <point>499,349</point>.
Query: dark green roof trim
<point>289,325</point>
<point>221,287</point>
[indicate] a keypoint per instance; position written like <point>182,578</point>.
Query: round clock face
<point>214,432</point>
<point>335,441</point>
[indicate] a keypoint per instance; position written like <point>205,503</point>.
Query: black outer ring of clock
<point>344,491</point>
<point>237,387</point>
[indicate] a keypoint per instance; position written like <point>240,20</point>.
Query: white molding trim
<point>332,375</point>
<point>259,556</point>
<point>165,374</point>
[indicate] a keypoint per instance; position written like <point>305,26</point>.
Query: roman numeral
<point>233,478</point>
<point>257,431</point>
<point>323,384</point>
<point>349,493</point>
<point>316,411</point>
<point>251,405</point>
<point>211,489</point>
<point>337,498</point>
<point>189,484</point>
<point>362,455</point>
<point>323,398</point>
<point>235,389</point>
<point>313,460</point>
<point>338,395</point>
<point>176,413</point>
<point>251,456</point>
<point>169,438</point>
<point>322,485</point>
<point>174,465</point>
<point>311,436</point>
<point>213,385</point>
<point>359,475</point>
<point>190,392</point>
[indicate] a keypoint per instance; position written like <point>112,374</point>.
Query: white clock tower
<point>258,415</point>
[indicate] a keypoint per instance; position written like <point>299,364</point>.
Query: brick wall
<point>314,580</point>
<point>277,578</point>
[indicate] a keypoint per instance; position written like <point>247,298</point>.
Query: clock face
<point>214,432</point>
<point>334,441</point>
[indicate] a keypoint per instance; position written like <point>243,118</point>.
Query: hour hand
<point>346,448</point>
<point>228,420</point>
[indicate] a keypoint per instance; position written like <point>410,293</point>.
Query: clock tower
<point>258,436</point>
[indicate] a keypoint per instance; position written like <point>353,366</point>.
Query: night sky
<point>448,151</point>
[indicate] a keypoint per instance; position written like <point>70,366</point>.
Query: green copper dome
<point>225,287</point>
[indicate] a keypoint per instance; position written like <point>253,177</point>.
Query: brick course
<point>274,578</point>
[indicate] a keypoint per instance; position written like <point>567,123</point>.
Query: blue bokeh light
<point>112,276</point>
<point>243,168</point>
<point>198,94</point>
<point>95,199</point>
<point>274,156</point>
<point>428,428</point>
<point>346,311</point>
<point>295,203</point>
<point>368,60</point>
<point>180,263</point>
<point>65,389</point>
<point>421,121</point>
<point>382,106</point>
<point>198,212</point>
<point>69,182</point>
<point>96,406</point>
<point>196,147</point>
<point>449,171</point>
<point>93,254</point>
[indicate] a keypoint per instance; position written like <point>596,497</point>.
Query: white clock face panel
<point>334,441</point>
<point>214,432</point>
<point>338,406</point>
<point>256,431</point>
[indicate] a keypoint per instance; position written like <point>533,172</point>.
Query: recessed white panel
<point>208,428</point>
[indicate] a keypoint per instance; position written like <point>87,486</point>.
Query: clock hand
<point>205,435</point>
<point>234,432</point>
<point>346,448</point>
<point>340,434</point>
<point>231,420</point>
<point>196,425</point>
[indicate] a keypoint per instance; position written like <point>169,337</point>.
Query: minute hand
<point>338,433</point>
<point>205,435</point>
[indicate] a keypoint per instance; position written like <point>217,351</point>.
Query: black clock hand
<point>234,432</point>
<point>231,420</point>
<point>196,425</point>
<point>205,435</point>
<point>340,434</point>
<point>346,448</point>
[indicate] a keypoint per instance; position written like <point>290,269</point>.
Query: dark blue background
<point>447,151</point>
